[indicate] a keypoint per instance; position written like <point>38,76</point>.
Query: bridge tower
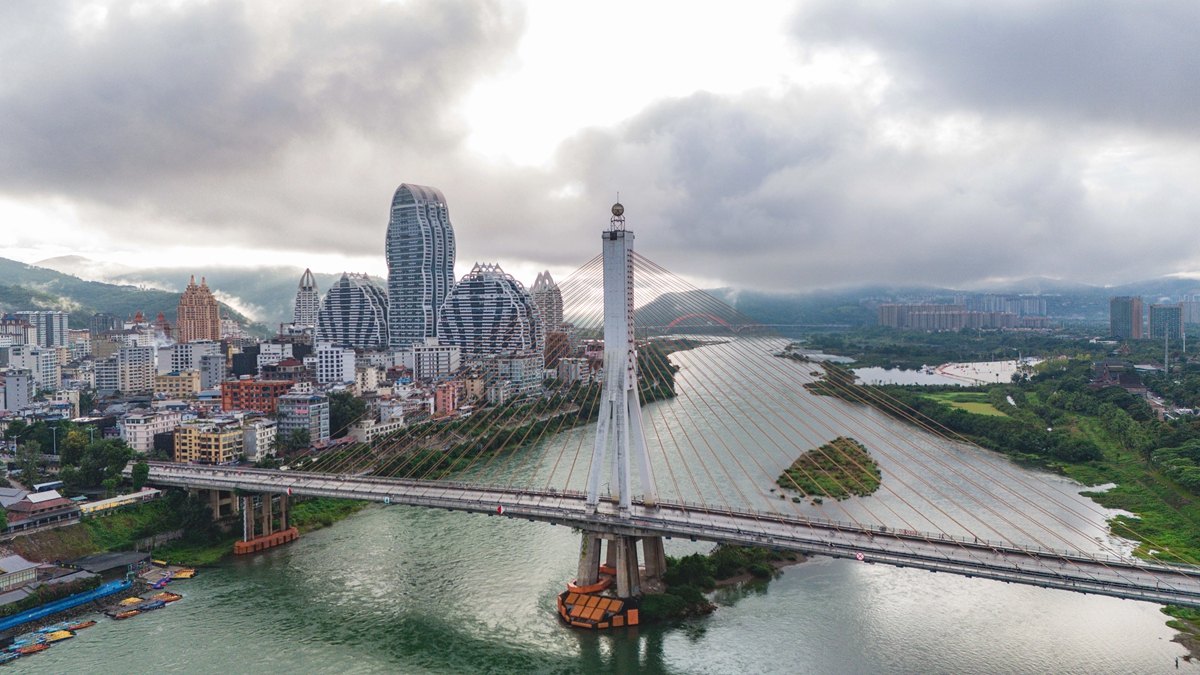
<point>619,432</point>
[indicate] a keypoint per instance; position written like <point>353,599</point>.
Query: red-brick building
<point>248,394</point>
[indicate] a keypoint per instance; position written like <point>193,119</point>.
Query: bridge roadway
<point>1073,571</point>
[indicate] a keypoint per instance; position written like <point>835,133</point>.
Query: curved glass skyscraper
<point>490,312</point>
<point>354,314</point>
<point>420,256</point>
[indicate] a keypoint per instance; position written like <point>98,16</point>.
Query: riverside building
<point>490,312</point>
<point>354,313</point>
<point>420,256</point>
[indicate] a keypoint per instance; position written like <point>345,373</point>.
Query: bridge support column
<point>283,512</point>
<point>629,581</point>
<point>589,560</point>
<point>268,507</point>
<point>247,518</point>
<point>656,557</point>
<point>610,553</point>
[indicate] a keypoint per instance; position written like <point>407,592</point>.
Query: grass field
<point>972,403</point>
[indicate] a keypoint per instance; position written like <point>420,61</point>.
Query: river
<point>413,591</point>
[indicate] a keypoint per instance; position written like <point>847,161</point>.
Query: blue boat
<point>154,604</point>
<point>5,657</point>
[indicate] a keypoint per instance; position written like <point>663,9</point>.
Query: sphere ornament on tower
<point>617,221</point>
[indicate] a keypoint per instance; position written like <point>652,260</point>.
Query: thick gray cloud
<point>1101,60</point>
<point>277,124</point>
<point>1008,140</point>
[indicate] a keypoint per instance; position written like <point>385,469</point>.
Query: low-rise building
<point>256,395</point>
<point>184,384</point>
<point>524,371</point>
<point>41,509</point>
<point>16,571</point>
<point>208,441</point>
<point>573,370</point>
<point>446,397</point>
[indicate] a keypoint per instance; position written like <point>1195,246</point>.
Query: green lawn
<point>971,402</point>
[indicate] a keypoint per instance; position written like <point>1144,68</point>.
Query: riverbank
<point>203,545</point>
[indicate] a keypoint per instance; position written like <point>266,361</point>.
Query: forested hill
<point>27,287</point>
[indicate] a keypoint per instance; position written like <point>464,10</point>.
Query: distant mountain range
<point>262,297</point>
<point>32,287</point>
<point>265,294</point>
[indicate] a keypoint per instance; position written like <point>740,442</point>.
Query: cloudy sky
<point>785,145</point>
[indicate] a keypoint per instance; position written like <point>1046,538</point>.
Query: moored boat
<point>184,574</point>
<point>167,596</point>
<point>59,635</point>
<point>152,604</point>
<point>81,625</point>
<point>33,649</point>
<point>130,601</point>
<point>126,614</point>
<point>5,657</point>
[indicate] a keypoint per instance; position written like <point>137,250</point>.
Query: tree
<point>298,439</point>
<point>110,486</point>
<point>87,402</point>
<point>141,472</point>
<point>72,447</point>
<point>29,461</point>
<point>344,410</point>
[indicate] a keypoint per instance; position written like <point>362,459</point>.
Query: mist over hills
<point>32,287</point>
<point>262,297</point>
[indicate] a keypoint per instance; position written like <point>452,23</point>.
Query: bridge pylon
<point>621,440</point>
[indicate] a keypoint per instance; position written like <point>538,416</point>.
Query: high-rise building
<point>354,313</point>
<point>432,359</point>
<point>308,302</point>
<point>420,256</point>
<point>50,326</point>
<point>199,315</point>
<point>1166,321</point>
<point>490,312</point>
<point>334,364</point>
<point>549,301</point>
<point>1125,318</point>
<point>104,323</point>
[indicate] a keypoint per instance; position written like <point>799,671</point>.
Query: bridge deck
<point>1080,572</point>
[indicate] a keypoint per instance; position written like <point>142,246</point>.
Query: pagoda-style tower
<point>199,315</point>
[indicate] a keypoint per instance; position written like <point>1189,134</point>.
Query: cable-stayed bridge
<point>682,417</point>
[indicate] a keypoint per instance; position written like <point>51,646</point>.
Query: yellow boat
<point>130,601</point>
<point>184,574</point>
<point>158,563</point>
<point>59,635</point>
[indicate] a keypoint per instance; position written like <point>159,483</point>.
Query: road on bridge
<point>1073,571</point>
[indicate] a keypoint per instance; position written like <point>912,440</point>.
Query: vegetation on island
<point>838,469</point>
<point>688,578</point>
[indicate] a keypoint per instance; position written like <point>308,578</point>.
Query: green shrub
<point>761,570</point>
<point>688,594</point>
<point>662,606</point>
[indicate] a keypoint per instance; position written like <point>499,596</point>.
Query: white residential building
<point>41,363</point>
<point>186,356</point>
<point>138,428</point>
<point>433,359</point>
<point>259,439</point>
<point>18,389</point>
<point>212,371</point>
<point>270,353</point>
<point>334,364</point>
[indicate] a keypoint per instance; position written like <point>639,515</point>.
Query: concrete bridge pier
<point>258,523</point>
